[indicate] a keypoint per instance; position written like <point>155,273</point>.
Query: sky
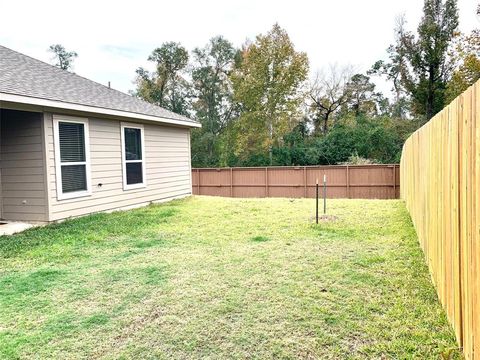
<point>114,38</point>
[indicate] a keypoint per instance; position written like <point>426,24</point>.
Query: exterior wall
<point>23,166</point>
<point>167,160</point>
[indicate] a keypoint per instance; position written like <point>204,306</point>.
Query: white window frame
<point>143,184</point>
<point>58,164</point>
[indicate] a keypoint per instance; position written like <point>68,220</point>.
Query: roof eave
<point>21,99</point>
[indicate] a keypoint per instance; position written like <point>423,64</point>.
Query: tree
<point>466,54</point>
<point>361,96</point>
<point>63,58</point>
<point>368,138</point>
<point>213,104</point>
<point>166,87</point>
<point>267,88</point>
<point>328,92</point>
<point>393,69</point>
<point>428,56</point>
<point>422,60</point>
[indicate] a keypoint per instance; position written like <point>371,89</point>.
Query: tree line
<point>260,104</point>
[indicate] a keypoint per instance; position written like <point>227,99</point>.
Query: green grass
<point>222,278</point>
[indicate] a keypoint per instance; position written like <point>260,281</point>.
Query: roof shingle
<point>26,76</point>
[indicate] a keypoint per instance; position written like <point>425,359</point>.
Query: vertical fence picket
<point>198,181</point>
<point>304,181</point>
<point>347,169</point>
<point>266,182</point>
<point>394,183</point>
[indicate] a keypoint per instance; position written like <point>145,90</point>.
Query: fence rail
<point>440,176</point>
<point>343,181</point>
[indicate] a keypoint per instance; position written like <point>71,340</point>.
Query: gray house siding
<point>167,161</point>
<point>23,167</point>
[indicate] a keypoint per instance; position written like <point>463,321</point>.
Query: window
<point>72,157</point>
<point>133,156</point>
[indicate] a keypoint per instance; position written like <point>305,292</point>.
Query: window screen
<point>133,156</point>
<point>133,144</point>
<point>72,156</point>
<point>134,173</point>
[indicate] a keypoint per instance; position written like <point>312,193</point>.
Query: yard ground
<point>222,278</point>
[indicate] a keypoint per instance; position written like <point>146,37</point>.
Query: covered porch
<point>23,188</point>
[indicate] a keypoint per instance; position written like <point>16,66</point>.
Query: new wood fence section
<point>440,176</point>
<point>353,181</point>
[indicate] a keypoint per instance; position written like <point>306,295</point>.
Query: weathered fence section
<point>352,181</point>
<point>440,177</point>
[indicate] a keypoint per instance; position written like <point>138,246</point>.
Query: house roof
<point>27,80</point>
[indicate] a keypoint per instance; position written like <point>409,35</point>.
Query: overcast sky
<point>113,38</point>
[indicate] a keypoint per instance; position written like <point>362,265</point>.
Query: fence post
<point>231,182</point>
<point>266,181</point>
<point>348,182</point>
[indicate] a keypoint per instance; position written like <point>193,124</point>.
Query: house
<point>70,146</point>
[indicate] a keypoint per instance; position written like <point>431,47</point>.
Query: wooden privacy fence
<point>440,176</point>
<point>343,181</point>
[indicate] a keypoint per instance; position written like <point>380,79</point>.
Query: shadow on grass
<point>93,230</point>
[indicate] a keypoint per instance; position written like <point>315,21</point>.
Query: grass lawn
<point>222,278</point>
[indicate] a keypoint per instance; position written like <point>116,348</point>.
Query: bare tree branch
<point>328,92</point>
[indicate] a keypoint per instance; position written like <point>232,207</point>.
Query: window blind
<point>72,156</point>
<point>72,142</point>
<point>74,178</point>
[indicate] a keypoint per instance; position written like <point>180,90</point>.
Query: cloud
<point>123,51</point>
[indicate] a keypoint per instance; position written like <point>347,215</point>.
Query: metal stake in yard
<point>316,197</point>
<point>324,194</point>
